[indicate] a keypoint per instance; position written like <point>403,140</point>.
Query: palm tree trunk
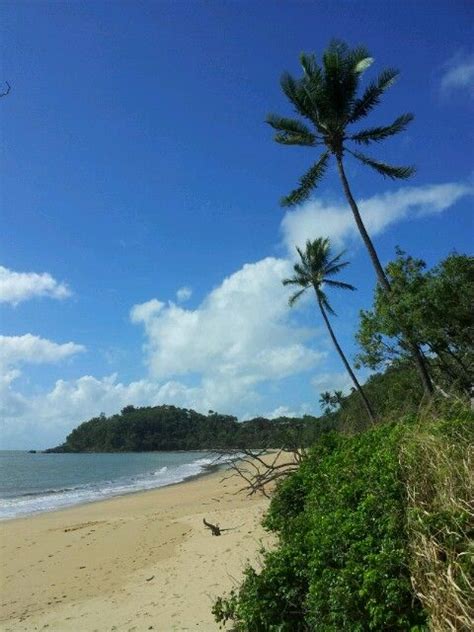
<point>382,277</point>
<point>359,388</point>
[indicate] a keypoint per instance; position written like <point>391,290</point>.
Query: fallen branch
<point>215,529</point>
<point>260,469</point>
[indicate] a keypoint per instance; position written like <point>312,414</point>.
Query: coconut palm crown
<point>327,97</point>
<point>316,270</point>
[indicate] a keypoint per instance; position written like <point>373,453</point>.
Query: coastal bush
<point>342,560</point>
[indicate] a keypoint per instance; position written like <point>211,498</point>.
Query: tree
<point>331,401</point>
<point>316,270</point>
<point>326,96</point>
<point>435,308</point>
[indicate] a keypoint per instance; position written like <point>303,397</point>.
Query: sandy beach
<point>137,562</point>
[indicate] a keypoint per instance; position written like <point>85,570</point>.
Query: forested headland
<point>171,428</point>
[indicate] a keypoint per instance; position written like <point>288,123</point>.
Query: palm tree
<point>316,269</point>
<point>327,97</point>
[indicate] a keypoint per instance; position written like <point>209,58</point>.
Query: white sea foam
<point>48,500</point>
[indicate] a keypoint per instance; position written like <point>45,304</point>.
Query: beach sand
<point>138,562</point>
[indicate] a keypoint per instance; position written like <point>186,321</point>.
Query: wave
<point>51,499</point>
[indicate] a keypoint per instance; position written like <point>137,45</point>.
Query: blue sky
<point>136,163</point>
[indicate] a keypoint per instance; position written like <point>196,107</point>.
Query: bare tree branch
<point>260,469</point>
<point>7,91</point>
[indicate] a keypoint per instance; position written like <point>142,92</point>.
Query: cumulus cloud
<point>316,218</point>
<point>458,74</point>
<point>183,294</point>
<point>34,350</point>
<point>16,287</point>
<point>22,415</point>
<point>242,329</point>
<point>44,420</point>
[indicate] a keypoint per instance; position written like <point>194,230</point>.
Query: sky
<point>142,243</point>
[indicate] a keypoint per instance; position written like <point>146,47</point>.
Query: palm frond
<point>284,124</point>
<point>291,281</point>
<point>339,284</point>
<point>293,90</point>
<point>310,66</point>
<point>340,80</point>
<point>388,171</point>
<point>307,182</point>
<point>291,131</point>
<point>361,59</point>
<point>284,138</point>
<point>376,134</point>
<point>294,297</point>
<point>301,270</point>
<point>325,303</point>
<point>330,270</point>
<point>372,95</point>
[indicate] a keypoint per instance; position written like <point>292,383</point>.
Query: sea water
<point>32,483</point>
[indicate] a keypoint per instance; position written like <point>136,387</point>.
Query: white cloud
<point>458,74</point>
<point>183,294</point>
<point>286,411</point>
<point>45,420</point>
<point>145,311</point>
<point>22,417</point>
<point>242,329</point>
<point>16,287</point>
<point>317,219</point>
<point>34,350</point>
<point>332,382</point>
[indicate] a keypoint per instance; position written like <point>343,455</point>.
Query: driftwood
<point>215,529</point>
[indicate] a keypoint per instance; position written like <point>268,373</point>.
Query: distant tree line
<point>171,428</point>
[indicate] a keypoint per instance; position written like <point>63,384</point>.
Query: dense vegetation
<point>172,428</point>
<point>346,530</point>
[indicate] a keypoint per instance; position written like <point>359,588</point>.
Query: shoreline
<point>141,561</point>
<point>207,470</point>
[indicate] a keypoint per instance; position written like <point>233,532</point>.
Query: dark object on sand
<point>215,529</point>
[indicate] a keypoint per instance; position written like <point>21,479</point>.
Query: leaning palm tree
<point>327,97</point>
<point>316,269</point>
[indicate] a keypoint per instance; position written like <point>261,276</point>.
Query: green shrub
<point>341,562</point>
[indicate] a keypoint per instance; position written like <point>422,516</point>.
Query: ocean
<point>32,483</point>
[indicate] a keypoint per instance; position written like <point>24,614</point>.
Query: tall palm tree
<point>327,97</point>
<point>316,269</point>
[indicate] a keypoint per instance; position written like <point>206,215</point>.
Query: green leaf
<point>388,171</point>
<point>372,95</point>
<point>376,134</point>
<point>307,182</point>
